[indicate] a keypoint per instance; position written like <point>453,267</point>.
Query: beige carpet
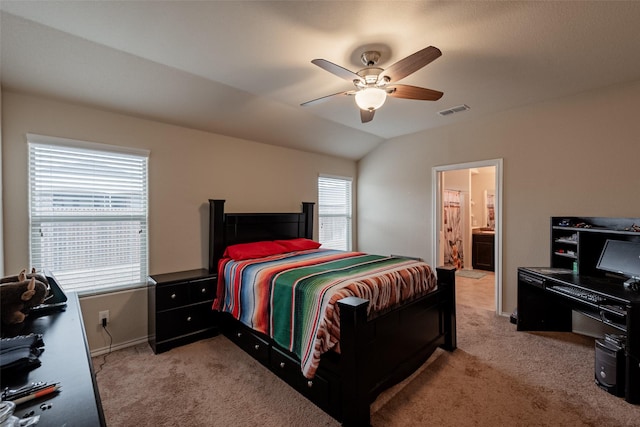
<point>496,377</point>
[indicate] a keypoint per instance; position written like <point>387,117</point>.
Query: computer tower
<point>610,365</point>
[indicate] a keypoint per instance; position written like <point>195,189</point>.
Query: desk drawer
<point>538,308</point>
<point>538,282</point>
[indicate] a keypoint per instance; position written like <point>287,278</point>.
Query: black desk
<point>542,307</point>
<point>65,360</point>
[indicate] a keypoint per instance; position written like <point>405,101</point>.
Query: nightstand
<point>180,308</point>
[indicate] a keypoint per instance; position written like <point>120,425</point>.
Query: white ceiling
<point>242,68</point>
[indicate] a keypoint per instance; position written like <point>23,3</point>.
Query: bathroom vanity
<point>483,242</point>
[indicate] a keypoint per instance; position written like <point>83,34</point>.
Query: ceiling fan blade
<point>339,71</point>
<point>410,64</point>
<point>413,92</point>
<point>366,115</point>
<point>324,98</point>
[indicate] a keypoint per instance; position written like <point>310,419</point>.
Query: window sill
<point>90,292</point>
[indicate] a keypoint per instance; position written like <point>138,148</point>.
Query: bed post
<point>216,232</point>
<point>307,213</point>
<point>355,394</point>
<point>447,282</point>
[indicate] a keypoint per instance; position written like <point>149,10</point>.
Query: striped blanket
<point>292,297</point>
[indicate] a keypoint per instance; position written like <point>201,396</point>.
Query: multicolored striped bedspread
<point>292,297</point>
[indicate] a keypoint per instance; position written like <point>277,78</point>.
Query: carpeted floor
<point>497,376</point>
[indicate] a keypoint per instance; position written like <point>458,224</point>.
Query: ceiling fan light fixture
<point>373,84</point>
<point>371,98</point>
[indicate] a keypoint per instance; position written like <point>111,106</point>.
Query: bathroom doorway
<point>467,226</point>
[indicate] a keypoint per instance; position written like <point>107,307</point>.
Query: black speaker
<point>610,365</point>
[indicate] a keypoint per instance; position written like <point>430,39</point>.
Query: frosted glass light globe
<point>371,98</point>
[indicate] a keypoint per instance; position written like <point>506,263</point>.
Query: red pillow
<point>300,244</point>
<point>253,250</point>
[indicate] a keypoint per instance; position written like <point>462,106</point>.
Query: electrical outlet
<point>103,315</point>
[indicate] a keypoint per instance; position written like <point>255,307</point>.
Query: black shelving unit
<point>579,240</point>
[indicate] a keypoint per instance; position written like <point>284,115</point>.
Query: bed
<point>375,349</point>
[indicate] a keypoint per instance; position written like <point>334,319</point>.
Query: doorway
<point>462,212</point>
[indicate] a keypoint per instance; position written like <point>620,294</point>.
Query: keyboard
<point>579,293</point>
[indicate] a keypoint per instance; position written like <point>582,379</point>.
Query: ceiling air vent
<point>457,109</point>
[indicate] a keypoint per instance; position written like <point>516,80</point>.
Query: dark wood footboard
<point>381,352</point>
<point>376,353</point>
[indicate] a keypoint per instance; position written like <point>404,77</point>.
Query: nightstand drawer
<point>185,320</point>
<point>168,297</point>
<point>202,290</point>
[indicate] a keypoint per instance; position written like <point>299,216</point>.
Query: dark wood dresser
<point>65,360</point>
<point>180,308</point>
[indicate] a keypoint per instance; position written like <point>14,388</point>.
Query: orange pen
<point>45,391</point>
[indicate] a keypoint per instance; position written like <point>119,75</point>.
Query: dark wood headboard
<point>231,228</point>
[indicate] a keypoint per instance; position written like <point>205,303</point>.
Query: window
<point>88,213</point>
<point>334,212</point>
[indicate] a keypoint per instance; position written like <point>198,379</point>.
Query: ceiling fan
<point>373,84</point>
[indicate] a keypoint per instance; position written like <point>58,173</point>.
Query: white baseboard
<point>119,346</point>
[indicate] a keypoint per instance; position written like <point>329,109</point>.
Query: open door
<point>479,213</point>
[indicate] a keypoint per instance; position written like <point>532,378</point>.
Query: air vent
<point>457,109</point>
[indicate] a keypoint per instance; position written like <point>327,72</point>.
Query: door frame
<point>436,191</point>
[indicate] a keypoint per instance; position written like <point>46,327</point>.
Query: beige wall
<point>186,168</point>
<point>571,156</point>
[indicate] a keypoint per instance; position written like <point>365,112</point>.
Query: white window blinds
<point>88,213</point>
<point>334,212</point>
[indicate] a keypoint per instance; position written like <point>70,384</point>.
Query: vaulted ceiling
<point>242,68</point>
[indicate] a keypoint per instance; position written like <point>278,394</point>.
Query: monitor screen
<point>621,257</point>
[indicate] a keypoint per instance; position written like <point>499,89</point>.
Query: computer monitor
<point>621,257</point>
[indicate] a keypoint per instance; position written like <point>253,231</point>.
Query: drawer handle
<point>309,384</point>
<point>189,319</point>
<point>282,364</point>
<point>239,334</point>
<point>204,290</point>
<point>173,296</point>
<point>257,346</point>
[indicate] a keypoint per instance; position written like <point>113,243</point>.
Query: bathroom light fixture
<point>370,98</point>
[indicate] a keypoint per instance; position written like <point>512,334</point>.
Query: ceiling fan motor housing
<point>369,77</point>
<point>370,58</point>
